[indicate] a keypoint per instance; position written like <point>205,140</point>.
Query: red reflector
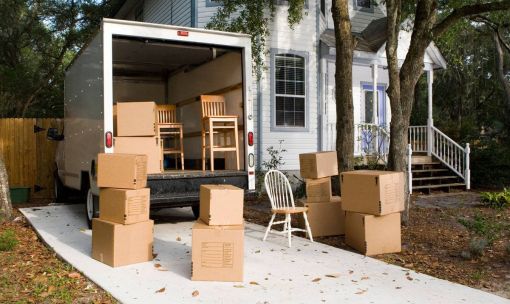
<point>108,139</point>
<point>251,173</point>
<point>183,33</point>
<point>250,138</point>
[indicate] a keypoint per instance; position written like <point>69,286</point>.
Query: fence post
<point>409,165</point>
<point>467,174</point>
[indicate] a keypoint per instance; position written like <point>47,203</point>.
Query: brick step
<point>438,186</point>
<point>434,177</point>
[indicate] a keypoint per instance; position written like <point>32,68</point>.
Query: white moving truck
<point>135,61</point>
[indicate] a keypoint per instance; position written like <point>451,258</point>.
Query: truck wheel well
<point>85,183</point>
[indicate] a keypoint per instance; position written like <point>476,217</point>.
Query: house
<point>294,100</point>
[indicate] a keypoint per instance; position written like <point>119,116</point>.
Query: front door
<point>329,124</point>
<point>369,133</point>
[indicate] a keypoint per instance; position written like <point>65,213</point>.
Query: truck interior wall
<point>133,89</point>
<point>83,103</point>
<point>223,72</point>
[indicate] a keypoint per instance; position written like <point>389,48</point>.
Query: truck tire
<point>196,211</point>
<point>91,207</point>
<point>60,191</point>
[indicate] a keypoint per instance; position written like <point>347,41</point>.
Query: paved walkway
<point>306,273</point>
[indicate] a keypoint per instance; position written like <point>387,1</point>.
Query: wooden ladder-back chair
<point>215,121</point>
<point>169,128</point>
<point>282,202</point>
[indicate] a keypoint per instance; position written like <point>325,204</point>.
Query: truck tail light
<point>250,138</point>
<point>108,139</point>
<point>183,33</point>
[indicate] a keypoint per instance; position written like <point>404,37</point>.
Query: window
<point>212,3</point>
<point>369,106</point>
<point>364,5</point>
<point>290,90</point>
<point>323,7</point>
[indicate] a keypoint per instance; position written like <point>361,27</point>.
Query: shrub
<point>8,240</point>
<point>275,162</point>
<point>482,227</point>
<point>496,200</point>
<point>477,246</point>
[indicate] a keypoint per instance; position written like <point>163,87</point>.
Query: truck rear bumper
<point>182,188</point>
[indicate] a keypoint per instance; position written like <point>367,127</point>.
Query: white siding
<point>204,13</point>
<point>176,12</point>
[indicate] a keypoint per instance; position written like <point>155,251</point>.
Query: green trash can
<point>19,194</point>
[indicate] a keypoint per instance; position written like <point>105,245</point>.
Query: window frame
<point>212,3</point>
<point>364,9</point>
<point>305,55</point>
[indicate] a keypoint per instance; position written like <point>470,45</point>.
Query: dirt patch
<point>437,243</point>
<point>31,273</point>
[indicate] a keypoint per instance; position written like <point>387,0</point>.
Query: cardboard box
<point>124,206</point>
<point>136,118</point>
<point>318,190</point>
<point>127,171</point>
<point>118,245</point>
<point>149,146</point>
<point>372,192</point>
<point>217,253</point>
<point>221,204</point>
<point>325,219</point>
<point>318,165</point>
<point>371,235</point>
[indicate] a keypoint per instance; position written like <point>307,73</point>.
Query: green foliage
<point>483,227</point>
<point>477,246</point>
<point>496,200</point>
<point>8,240</point>
<point>38,39</point>
<point>275,162</point>
<point>253,17</point>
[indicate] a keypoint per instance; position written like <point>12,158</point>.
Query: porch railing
<point>445,149</point>
<point>371,139</point>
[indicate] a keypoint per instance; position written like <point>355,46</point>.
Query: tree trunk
<point>343,85</point>
<point>500,65</point>
<point>5,199</point>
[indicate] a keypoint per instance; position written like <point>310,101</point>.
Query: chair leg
<point>289,229</point>
<point>269,227</point>
<point>211,144</point>
<point>203,147</point>
<point>182,148</point>
<point>236,135</point>
<point>308,229</point>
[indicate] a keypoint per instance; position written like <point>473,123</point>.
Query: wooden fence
<point>28,155</point>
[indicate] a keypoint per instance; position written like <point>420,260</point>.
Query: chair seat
<point>290,210</point>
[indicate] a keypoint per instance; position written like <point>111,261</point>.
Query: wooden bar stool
<point>214,121</point>
<point>169,128</point>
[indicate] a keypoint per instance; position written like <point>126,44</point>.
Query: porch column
<point>375,117</point>
<point>430,120</point>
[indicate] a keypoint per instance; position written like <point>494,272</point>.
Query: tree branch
<point>466,11</point>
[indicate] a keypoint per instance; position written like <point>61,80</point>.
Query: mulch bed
<point>434,239</point>
<point>32,273</point>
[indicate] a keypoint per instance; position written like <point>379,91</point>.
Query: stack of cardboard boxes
<point>325,213</point>
<point>123,233</point>
<point>136,132</point>
<point>218,236</point>
<point>373,201</point>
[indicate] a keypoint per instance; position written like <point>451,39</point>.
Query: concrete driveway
<point>306,273</point>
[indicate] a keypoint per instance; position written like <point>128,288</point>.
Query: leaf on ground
<point>161,290</point>
<point>333,275</point>
<point>409,278</point>
<point>44,294</point>
<point>195,293</point>
<point>51,289</point>
<point>157,265</point>
<point>178,239</point>
<point>74,275</point>
<point>316,280</point>
<point>258,251</point>
<point>254,283</point>
<point>325,252</point>
<point>365,278</point>
<point>239,286</point>
<point>362,291</point>
<point>351,271</point>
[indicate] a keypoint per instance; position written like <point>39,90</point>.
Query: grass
<point>483,227</point>
<point>8,240</point>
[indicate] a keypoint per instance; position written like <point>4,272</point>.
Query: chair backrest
<point>279,190</point>
<point>166,114</point>
<point>212,105</point>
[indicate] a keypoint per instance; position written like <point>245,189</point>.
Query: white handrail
<point>418,138</point>
<point>409,167</point>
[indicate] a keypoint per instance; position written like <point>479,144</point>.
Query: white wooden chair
<point>282,202</point>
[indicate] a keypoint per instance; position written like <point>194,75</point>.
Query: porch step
<point>430,170</point>
<point>421,159</point>
<point>439,186</point>
<point>434,178</point>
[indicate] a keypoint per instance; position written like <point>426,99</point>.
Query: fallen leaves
<point>334,275</point>
<point>195,293</point>
<point>254,283</point>
<point>316,280</point>
<point>74,275</point>
<point>178,239</point>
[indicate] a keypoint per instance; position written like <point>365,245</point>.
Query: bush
<point>477,246</point>
<point>490,163</point>
<point>496,200</point>
<point>275,162</point>
<point>483,227</point>
<point>8,240</point>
